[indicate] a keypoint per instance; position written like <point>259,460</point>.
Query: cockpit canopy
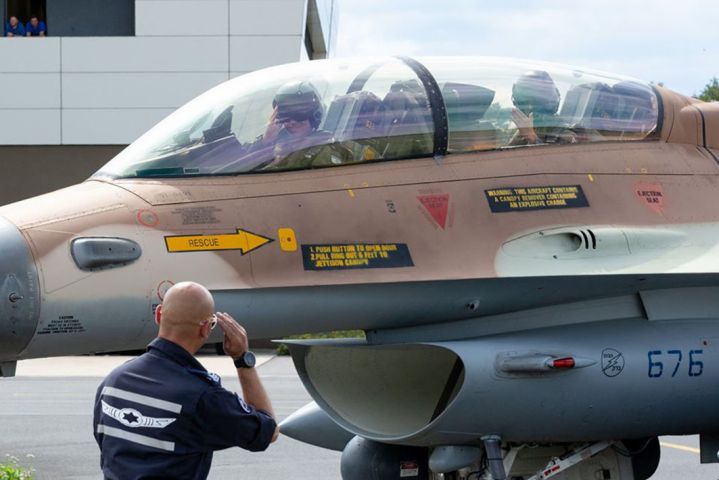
<point>338,112</point>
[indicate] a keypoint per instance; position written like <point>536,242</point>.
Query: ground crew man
<point>162,414</point>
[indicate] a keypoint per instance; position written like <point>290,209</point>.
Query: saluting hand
<point>525,125</point>
<point>273,127</point>
<point>235,342</point>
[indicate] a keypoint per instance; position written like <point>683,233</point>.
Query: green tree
<point>710,92</point>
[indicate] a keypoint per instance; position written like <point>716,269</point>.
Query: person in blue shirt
<point>35,27</point>
<point>161,415</point>
<point>13,28</point>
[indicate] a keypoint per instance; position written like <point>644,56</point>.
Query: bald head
<point>185,306</point>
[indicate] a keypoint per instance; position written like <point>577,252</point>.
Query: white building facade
<point>63,95</point>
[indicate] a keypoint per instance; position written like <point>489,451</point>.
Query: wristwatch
<point>246,360</point>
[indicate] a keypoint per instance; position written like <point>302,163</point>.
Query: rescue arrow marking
<point>242,240</point>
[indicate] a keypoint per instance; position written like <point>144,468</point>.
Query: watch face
<point>249,359</point>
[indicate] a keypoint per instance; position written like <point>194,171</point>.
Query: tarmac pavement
<point>46,411</point>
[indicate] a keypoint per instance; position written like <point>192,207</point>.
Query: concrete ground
<point>46,412</point>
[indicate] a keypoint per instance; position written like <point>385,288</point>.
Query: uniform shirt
<point>162,415</point>
<point>35,31</point>
<point>18,30</point>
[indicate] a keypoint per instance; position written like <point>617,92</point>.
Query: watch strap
<point>242,363</point>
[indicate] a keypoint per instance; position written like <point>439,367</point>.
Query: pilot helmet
<point>371,110</point>
<point>535,92</point>
<point>298,101</point>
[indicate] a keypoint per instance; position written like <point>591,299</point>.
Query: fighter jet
<point>532,251</point>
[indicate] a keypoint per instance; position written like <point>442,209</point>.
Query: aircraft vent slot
<point>102,253</point>
<point>594,239</point>
<point>590,239</point>
<point>586,240</point>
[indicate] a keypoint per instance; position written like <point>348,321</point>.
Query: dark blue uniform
<point>35,31</point>
<point>18,30</point>
<point>162,415</point>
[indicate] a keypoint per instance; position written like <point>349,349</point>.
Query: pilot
<point>296,113</point>
<point>536,100</point>
<point>365,138</point>
<point>293,136</point>
<point>161,415</point>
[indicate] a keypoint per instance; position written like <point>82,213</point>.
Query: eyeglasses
<point>298,115</point>
<point>212,319</point>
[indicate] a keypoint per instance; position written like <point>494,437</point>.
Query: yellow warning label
<point>512,199</point>
<point>243,241</point>
<point>356,255</point>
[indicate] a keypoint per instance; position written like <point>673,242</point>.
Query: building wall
<point>108,90</point>
<point>33,170</point>
<point>69,103</point>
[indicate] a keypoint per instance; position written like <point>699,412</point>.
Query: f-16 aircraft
<point>531,249</point>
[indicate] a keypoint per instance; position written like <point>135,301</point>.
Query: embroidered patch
<point>243,405</point>
<point>133,418</point>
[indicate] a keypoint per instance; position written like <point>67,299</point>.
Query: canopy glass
<point>339,112</point>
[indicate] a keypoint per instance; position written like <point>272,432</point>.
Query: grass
<point>282,348</point>
<point>12,470</point>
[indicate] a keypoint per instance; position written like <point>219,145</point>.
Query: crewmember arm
<point>235,345</point>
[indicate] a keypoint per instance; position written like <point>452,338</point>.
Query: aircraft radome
<point>531,249</point>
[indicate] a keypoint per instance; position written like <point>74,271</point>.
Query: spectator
<point>13,28</point>
<point>35,27</point>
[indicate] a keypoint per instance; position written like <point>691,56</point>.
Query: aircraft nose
<point>19,292</point>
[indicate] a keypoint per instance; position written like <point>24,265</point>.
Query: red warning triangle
<point>437,206</point>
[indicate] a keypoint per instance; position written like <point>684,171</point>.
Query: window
<point>76,18</point>
<point>24,10</point>
<point>306,115</point>
<point>95,18</point>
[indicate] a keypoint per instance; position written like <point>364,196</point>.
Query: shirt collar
<point>175,352</point>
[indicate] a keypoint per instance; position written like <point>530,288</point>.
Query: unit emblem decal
<point>612,362</point>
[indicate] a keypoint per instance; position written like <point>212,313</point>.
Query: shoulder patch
<point>213,378</point>
<point>243,405</point>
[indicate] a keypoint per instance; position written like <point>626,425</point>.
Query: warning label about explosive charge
<point>356,255</point>
<point>515,199</point>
